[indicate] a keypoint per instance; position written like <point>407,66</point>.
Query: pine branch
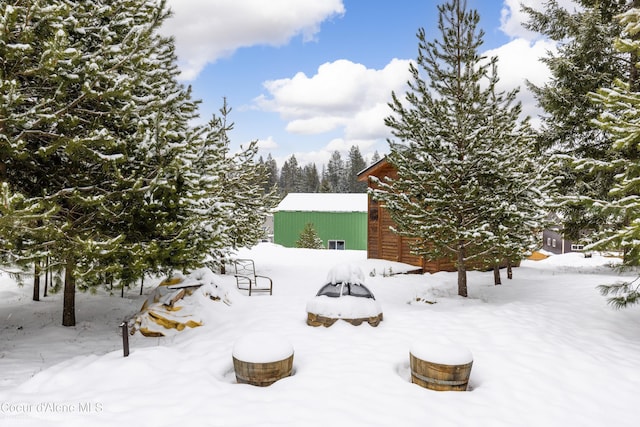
<point>625,293</point>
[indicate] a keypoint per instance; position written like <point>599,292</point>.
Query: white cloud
<point>512,17</point>
<point>518,61</point>
<point>341,94</point>
<point>207,30</point>
<point>344,145</point>
<point>267,144</point>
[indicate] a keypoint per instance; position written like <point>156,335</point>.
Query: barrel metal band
<point>437,381</point>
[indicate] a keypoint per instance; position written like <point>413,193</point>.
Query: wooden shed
<point>382,243</point>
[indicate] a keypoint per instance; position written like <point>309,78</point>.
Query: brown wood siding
<point>405,253</point>
<point>382,243</point>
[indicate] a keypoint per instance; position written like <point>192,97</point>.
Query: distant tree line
<point>337,176</point>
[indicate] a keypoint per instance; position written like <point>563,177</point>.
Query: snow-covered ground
<point>547,351</point>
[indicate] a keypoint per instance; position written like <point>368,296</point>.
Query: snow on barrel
<point>441,367</point>
<point>261,359</point>
<point>344,297</point>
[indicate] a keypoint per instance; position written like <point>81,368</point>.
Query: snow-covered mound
<point>178,303</point>
<point>346,273</point>
<point>262,347</point>
<point>441,353</point>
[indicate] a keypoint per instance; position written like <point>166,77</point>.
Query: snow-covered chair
<point>248,280</point>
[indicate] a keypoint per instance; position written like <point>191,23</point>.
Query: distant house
<point>340,219</point>
<point>554,241</point>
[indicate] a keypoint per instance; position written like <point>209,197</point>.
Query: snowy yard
<point>547,351</point>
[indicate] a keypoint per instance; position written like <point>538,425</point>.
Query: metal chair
<point>247,279</point>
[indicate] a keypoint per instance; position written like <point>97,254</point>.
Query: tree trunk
<point>496,275</point>
<point>634,82</point>
<point>509,270</point>
<point>69,300</point>
<point>46,277</point>
<point>36,281</point>
<point>141,284</point>
<point>462,271</point>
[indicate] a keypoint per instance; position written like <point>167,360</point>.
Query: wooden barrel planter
<point>440,368</point>
<point>262,374</point>
<point>261,359</point>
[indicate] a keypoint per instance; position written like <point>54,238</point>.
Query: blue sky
<point>308,77</point>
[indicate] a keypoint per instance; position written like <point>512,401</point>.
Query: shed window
<point>553,243</point>
<point>548,241</point>
<point>577,247</point>
<point>336,244</point>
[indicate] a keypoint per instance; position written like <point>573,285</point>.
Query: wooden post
<point>125,338</point>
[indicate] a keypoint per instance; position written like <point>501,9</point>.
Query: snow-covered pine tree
<point>309,238</point>
<point>272,175</point>
<point>620,119</point>
<point>355,164</point>
<point>585,61</point>
<point>516,179</point>
<point>152,194</point>
<point>210,214</point>
<point>93,125</point>
<point>325,185</point>
<point>290,177</point>
<point>311,178</point>
<point>375,158</point>
<point>28,48</point>
<point>229,204</point>
<point>243,190</point>
<point>336,173</point>
<point>444,194</point>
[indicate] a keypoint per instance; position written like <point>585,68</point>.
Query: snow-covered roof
<point>324,202</point>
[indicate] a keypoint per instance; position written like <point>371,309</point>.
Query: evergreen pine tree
<point>228,202</point>
<point>94,126</point>
<point>445,193</point>
<point>518,182</point>
<point>355,164</point>
<point>620,120</point>
<point>311,179</point>
<point>290,176</point>
<point>325,186</point>
<point>585,61</point>
<point>375,158</point>
<point>272,174</point>
<point>336,173</point>
<point>309,238</point>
